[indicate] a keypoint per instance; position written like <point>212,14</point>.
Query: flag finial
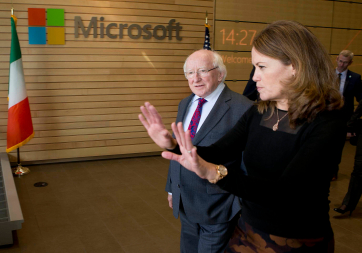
<point>12,11</point>
<point>207,36</point>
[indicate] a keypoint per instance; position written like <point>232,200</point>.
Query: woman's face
<point>269,75</point>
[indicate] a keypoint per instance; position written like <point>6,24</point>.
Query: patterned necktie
<point>196,118</point>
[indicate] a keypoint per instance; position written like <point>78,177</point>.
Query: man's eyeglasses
<point>200,72</point>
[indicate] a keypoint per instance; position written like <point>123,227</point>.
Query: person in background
<point>208,214</point>
<point>349,82</point>
<point>289,139</point>
<point>350,87</point>
<point>250,90</point>
<point>354,193</point>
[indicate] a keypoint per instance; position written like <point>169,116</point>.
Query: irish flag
<point>20,126</point>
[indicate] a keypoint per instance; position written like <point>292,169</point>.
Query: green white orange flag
<point>20,126</point>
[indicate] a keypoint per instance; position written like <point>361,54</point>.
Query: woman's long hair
<point>314,88</point>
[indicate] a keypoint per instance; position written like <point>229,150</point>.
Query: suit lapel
<point>183,109</point>
<point>217,112</point>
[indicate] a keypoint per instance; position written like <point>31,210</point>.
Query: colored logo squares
<point>46,24</point>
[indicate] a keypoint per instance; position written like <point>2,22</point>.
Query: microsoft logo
<point>42,21</point>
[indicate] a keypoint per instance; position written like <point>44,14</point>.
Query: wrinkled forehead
<point>199,61</point>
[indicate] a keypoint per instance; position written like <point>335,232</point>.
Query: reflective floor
<point>120,206</point>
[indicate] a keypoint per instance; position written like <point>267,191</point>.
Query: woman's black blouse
<point>286,189</point>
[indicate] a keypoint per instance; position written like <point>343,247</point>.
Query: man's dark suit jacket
<point>202,201</point>
<point>352,89</point>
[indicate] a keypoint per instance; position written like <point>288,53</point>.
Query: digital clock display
<point>238,36</point>
<point>235,36</point>
<point>244,41</point>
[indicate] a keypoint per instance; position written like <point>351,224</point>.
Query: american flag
<point>207,37</point>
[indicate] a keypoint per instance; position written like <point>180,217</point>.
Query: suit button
<point>178,186</point>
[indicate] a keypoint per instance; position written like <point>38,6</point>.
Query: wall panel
<point>347,15</point>
<point>337,24</point>
<point>85,95</point>
<point>238,64</point>
<point>346,39</point>
<point>307,12</point>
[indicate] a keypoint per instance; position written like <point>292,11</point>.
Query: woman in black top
<point>290,142</point>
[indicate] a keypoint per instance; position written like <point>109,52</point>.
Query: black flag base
<point>20,170</point>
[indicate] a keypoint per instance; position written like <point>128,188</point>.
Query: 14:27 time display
<point>241,38</point>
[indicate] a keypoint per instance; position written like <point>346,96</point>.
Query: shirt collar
<point>344,73</point>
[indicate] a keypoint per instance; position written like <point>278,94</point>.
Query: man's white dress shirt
<point>343,80</point>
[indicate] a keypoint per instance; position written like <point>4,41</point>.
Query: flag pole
<point>207,35</point>
<point>20,170</point>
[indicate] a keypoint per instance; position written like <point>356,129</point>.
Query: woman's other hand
<point>189,157</point>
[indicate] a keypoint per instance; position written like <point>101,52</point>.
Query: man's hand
<point>169,198</point>
<point>152,121</point>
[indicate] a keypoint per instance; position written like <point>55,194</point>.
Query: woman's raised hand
<point>189,157</point>
<point>152,121</point>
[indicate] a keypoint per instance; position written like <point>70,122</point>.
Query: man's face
<point>203,86</point>
<point>343,62</point>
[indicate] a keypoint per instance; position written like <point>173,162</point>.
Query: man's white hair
<point>216,62</point>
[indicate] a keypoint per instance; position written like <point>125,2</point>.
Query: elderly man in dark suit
<point>350,87</point>
<point>208,214</point>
